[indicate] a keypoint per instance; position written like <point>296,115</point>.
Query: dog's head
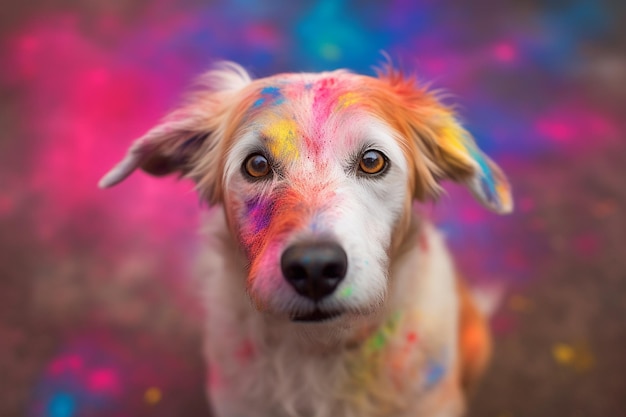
<point>317,174</point>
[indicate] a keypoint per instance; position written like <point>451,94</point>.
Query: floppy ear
<point>443,149</point>
<point>194,130</point>
<point>454,155</point>
<point>167,148</point>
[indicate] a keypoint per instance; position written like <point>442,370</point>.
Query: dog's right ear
<point>439,146</point>
<point>196,128</point>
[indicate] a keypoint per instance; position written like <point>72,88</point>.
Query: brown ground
<point>573,300</point>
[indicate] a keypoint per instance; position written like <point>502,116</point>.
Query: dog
<point>327,293</point>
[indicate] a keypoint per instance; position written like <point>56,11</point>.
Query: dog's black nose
<point>314,269</point>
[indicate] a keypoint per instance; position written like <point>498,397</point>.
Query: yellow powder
<point>347,100</point>
<point>282,135</point>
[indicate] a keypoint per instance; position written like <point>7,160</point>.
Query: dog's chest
<point>385,375</point>
<point>403,368</point>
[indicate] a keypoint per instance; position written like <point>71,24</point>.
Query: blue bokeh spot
<point>62,405</point>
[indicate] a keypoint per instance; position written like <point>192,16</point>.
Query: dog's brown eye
<point>257,166</point>
<point>372,162</point>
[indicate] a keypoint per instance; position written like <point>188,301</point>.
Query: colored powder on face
<point>270,95</point>
<point>346,292</point>
<point>273,92</point>
<point>282,134</point>
<point>346,100</point>
<point>324,100</point>
<point>258,214</point>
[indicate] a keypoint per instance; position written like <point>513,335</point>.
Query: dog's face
<point>316,174</point>
<point>314,185</point>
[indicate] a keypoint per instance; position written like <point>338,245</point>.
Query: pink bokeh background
<point>97,287</point>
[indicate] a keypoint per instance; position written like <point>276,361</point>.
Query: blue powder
<point>434,374</point>
<point>62,405</point>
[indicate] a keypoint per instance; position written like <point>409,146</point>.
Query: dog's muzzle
<point>314,269</point>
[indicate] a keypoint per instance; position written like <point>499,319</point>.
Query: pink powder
<point>103,380</point>
<point>505,52</point>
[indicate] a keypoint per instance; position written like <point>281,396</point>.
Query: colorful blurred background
<point>98,309</point>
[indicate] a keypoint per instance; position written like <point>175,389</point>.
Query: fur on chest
<point>393,363</point>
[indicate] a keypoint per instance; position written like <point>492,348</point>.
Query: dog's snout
<point>314,269</point>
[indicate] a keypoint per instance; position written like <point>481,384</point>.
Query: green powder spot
<point>394,321</point>
<point>377,342</point>
<point>346,292</point>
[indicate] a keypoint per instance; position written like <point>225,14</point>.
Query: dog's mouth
<point>316,316</point>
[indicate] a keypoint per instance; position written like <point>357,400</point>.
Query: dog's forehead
<point>320,90</point>
<point>308,113</point>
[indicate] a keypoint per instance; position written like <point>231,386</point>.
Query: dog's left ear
<point>187,134</point>
<point>165,149</point>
